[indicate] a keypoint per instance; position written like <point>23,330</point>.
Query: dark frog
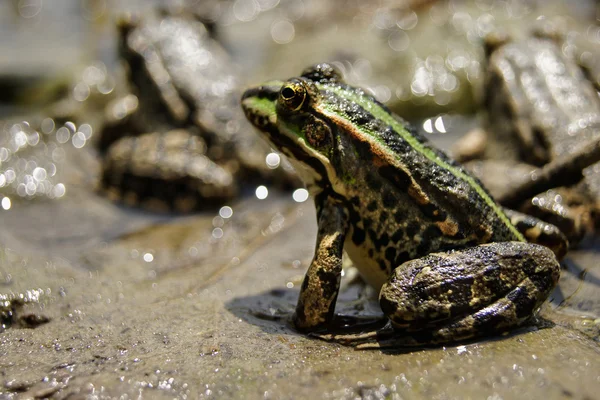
<point>179,141</point>
<point>450,263</point>
<point>539,108</point>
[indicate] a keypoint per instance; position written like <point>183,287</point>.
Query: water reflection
<point>262,192</point>
<point>32,160</point>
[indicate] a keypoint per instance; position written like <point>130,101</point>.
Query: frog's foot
<point>479,291</point>
<point>384,338</point>
<point>356,336</point>
<point>355,323</point>
<point>565,208</point>
<point>539,232</point>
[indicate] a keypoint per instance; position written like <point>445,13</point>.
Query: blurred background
<point>422,58</point>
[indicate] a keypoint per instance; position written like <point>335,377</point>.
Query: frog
<point>538,106</point>
<point>449,263</point>
<point>176,139</point>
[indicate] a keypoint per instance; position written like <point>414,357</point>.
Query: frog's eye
<point>292,95</point>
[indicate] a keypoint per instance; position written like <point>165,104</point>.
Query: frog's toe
<point>367,336</point>
<point>539,232</point>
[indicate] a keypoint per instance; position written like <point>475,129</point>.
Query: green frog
<point>449,263</point>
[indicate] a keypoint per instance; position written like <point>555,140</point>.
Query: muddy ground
<point>121,303</point>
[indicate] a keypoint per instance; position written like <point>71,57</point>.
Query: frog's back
<point>540,102</point>
<point>405,197</point>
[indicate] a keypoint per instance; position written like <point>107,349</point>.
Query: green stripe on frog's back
<point>378,111</point>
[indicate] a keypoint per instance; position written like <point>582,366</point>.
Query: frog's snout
<point>259,104</point>
<point>265,92</point>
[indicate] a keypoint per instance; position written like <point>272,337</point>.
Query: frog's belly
<point>368,267</point>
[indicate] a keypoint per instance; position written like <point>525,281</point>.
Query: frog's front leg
<point>321,284</point>
<point>458,295</point>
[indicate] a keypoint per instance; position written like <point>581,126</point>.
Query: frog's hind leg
<point>483,290</point>
<point>506,313</point>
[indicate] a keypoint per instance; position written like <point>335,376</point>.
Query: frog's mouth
<point>259,105</point>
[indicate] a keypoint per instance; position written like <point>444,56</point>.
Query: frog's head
<point>289,115</point>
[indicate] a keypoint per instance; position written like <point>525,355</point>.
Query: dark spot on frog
<point>432,211</point>
<point>382,241</point>
<point>372,206</point>
<point>398,236</point>
<point>328,282</point>
<point>331,309</point>
<point>367,223</point>
<point>522,225</point>
<point>382,264</point>
<point>524,302</point>
<point>353,215</point>
<point>396,176</point>
<point>371,252</point>
<point>333,251</point>
<point>299,314</point>
<point>458,299</point>
<point>358,115</point>
<point>373,181</point>
<point>358,236</point>
<point>390,254</point>
<point>460,233</point>
<point>396,142</point>
<point>482,232</point>
<point>542,280</point>
<point>401,259</point>
<point>412,229</point>
<point>383,216</point>
<point>364,150</point>
<point>388,198</point>
<point>432,232</point>
<point>488,320</point>
<point>399,216</point>
<point>423,248</point>
<point>373,236</point>
<point>491,274</point>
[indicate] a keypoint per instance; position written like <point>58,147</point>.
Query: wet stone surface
<point>168,307</point>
